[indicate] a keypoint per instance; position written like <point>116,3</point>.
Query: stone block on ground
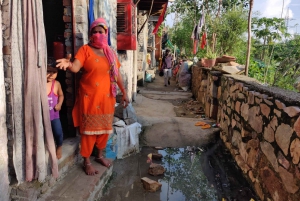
<point>150,185</point>
<point>156,169</point>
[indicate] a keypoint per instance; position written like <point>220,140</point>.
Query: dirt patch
<point>189,108</point>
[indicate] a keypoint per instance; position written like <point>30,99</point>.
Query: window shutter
<point>126,25</point>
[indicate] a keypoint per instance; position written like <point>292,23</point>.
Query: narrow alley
<point>197,164</point>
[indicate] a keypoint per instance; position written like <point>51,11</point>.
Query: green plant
<point>210,55</point>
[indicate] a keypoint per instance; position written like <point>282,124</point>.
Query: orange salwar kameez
<point>94,107</point>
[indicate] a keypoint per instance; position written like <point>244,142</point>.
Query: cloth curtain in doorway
<point>40,147</point>
<point>29,101</point>
<point>17,58</point>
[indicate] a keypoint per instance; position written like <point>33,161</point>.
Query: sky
<point>271,8</point>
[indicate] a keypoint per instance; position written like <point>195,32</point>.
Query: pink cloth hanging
<point>38,132</point>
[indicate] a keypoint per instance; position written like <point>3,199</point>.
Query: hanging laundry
<point>160,19</point>
<point>203,40</point>
<point>91,12</point>
<point>196,33</point>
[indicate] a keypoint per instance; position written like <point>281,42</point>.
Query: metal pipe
<point>73,26</point>
<point>134,83</point>
<point>74,44</point>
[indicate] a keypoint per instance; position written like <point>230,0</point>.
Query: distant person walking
<point>167,66</point>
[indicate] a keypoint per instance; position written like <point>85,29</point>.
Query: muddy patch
<point>189,108</point>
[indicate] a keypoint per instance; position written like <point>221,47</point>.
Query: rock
<point>253,153</point>
<point>273,184</point>
<point>283,135</point>
<point>156,169</point>
<point>236,138</point>
<point>269,134</point>
<point>228,111</point>
<point>288,180</point>
<point>282,160</point>
<point>265,110</point>
<point>150,185</point>
<point>245,111</point>
<point>297,127</point>
<point>258,100</point>
<point>245,133</point>
<point>279,104</point>
<point>268,102</point>
<point>156,156</point>
<point>274,123</point>
<point>251,176</point>
<point>241,96</point>
<point>268,150</point>
<point>251,97</point>
<point>243,151</point>
<point>295,150</point>
<point>241,163</point>
<point>292,111</point>
<point>277,112</point>
<point>238,106</point>
<point>253,157</point>
<point>240,85</point>
<point>236,117</point>
<point>233,123</point>
<point>297,172</point>
<point>255,121</point>
<point>259,191</point>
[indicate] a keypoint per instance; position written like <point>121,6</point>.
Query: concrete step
<point>76,185</point>
<point>70,155</point>
<point>72,184</point>
<point>33,190</point>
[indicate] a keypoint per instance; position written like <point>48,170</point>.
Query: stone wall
<point>126,71</point>
<point>6,33</point>
<point>261,128</point>
<point>142,40</point>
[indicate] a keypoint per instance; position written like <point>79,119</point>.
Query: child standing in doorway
<point>55,100</point>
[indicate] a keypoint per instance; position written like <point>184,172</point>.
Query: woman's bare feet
<point>89,169</point>
<point>58,152</point>
<point>103,161</point>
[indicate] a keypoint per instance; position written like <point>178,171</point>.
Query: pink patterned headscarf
<point>109,53</point>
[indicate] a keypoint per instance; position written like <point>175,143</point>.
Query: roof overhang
<point>157,6</point>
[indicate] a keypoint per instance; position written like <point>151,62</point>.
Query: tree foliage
<point>275,54</point>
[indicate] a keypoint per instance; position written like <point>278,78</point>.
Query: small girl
<point>55,100</point>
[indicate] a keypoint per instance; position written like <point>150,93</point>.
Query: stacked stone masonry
<point>261,128</point>
<point>6,31</point>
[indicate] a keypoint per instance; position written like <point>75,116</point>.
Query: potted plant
<point>209,59</point>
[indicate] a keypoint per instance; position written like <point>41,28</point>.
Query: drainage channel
<point>206,173</point>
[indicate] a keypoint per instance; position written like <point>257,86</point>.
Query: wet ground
<point>198,166</point>
<point>205,173</point>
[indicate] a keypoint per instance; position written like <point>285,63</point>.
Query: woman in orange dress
<point>94,107</point>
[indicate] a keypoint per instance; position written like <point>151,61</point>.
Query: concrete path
<point>155,111</point>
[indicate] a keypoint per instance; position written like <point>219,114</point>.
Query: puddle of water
<point>192,174</point>
<point>202,173</point>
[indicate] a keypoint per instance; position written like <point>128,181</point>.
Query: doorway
<point>55,28</point>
